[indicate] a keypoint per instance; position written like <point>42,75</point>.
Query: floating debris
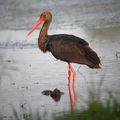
<point>55,94</point>
<point>36,82</point>
<point>12,83</point>
<point>23,105</point>
<point>47,92</point>
<point>8,61</point>
<point>30,65</point>
<point>25,87</point>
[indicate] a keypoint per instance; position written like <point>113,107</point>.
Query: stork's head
<point>45,16</point>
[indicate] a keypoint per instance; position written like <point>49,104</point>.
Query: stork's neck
<point>43,36</point>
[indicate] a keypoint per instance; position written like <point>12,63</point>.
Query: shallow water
<point>25,71</point>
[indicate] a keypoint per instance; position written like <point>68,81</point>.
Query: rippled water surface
<point>21,14</point>
<point>25,72</point>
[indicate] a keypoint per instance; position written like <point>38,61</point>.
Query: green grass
<point>96,110</point>
<point>109,109</point>
<point>26,115</point>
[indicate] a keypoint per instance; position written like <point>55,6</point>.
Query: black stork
<point>68,48</point>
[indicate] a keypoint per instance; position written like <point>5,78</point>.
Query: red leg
<point>75,96</point>
<point>71,100</point>
<point>69,73</point>
<point>74,78</point>
<point>73,85</point>
<point>74,75</point>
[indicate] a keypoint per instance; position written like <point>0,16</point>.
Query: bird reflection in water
<point>55,94</point>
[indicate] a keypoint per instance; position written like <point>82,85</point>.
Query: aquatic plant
<point>109,109</point>
<point>96,110</point>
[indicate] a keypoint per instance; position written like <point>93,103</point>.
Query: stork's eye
<point>44,16</point>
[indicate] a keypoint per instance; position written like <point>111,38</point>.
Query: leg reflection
<point>73,98</point>
<point>70,96</point>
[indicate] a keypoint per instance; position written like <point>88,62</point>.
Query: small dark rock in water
<point>4,116</point>
<point>117,54</point>
<point>26,87</point>
<point>55,94</point>
<point>12,83</point>
<point>46,92</point>
<point>22,105</point>
<point>36,82</point>
<point>9,61</point>
<point>30,65</point>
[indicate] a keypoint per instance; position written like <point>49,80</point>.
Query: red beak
<point>36,25</point>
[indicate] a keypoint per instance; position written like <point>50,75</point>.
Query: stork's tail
<point>92,57</point>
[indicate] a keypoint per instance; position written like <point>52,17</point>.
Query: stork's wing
<point>66,47</point>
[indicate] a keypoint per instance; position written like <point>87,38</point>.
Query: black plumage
<point>70,48</point>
